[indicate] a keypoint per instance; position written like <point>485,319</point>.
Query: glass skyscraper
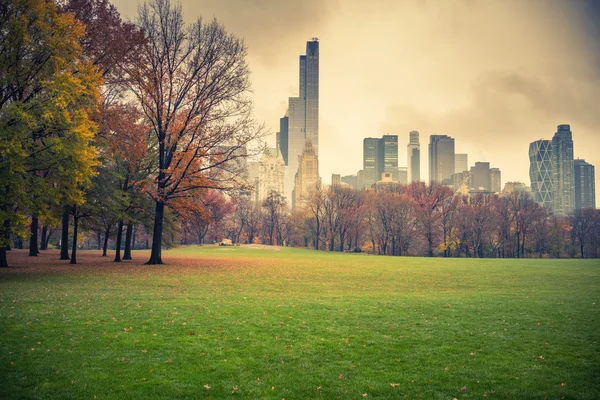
<point>563,174</point>
<point>585,185</point>
<point>441,159</point>
<point>303,113</point>
<point>541,172</point>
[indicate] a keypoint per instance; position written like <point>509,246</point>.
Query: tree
<point>46,95</point>
<point>192,85</point>
<point>583,224</point>
<point>274,206</point>
<point>428,201</point>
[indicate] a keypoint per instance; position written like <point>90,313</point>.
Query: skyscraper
<point>541,172</point>
<point>496,178</point>
<point>461,163</point>
<point>303,113</point>
<point>585,185</point>
<point>481,179</point>
<point>307,177</point>
<point>414,157</point>
<point>390,155</point>
<point>282,138</point>
<point>564,175</point>
<point>441,159</point>
<point>373,160</point>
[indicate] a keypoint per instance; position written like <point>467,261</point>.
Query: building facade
<point>563,173</point>
<point>390,155</point>
<point>373,160</point>
<point>307,177</point>
<point>585,185</point>
<point>271,173</point>
<point>541,172</point>
<point>496,180</point>
<point>461,163</point>
<point>303,113</point>
<point>481,179</point>
<point>441,159</point>
<point>413,159</point>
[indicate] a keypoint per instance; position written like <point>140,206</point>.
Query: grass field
<point>262,323</point>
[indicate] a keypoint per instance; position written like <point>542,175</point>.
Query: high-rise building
<point>541,172</point>
<point>496,180</point>
<point>373,160</point>
<point>480,175</point>
<point>390,155</point>
<point>441,159</point>
<point>271,173</point>
<point>585,185</point>
<point>413,157</point>
<point>351,180</point>
<point>402,176</point>
<point>563,173</point>
<point>336,179</point>
<point>282,138</point>
<point>307,176</point>
<point>461,163</point>
<point>303,113</point>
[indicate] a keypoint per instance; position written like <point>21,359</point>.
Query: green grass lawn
<point>289,323</point>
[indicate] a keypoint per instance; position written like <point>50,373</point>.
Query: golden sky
<point>495,75</point>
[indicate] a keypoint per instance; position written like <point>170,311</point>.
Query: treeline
<point>107,125</point>
<point>415,220</point>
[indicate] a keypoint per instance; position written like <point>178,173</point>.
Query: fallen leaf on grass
<point>394,384</point>
<point>206,386</point>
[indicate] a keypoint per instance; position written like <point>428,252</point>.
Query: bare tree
<point>192,83</point>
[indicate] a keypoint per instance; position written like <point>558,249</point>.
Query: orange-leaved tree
<point>192,83</point>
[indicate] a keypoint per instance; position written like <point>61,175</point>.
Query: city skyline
<point>494,93</point>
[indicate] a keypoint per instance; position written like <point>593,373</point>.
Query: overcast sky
<point>495,75</point>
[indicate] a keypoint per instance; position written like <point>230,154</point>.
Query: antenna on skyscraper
<point>315,39</point>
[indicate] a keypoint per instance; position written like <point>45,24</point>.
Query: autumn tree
<point>274,212</point>
<point>46,95</point>
<point>428,200</point>
<point>192,83</point>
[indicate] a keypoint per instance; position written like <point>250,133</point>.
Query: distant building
<point>336,179</point>
<point>481,178</point>
<point>461,163</point>
<point>271,174</point>
<point>563,173</point>
<point>351,180</point>
<point>461,182</point>
<point>515,187</point>
<point>441,159</point>
<point>253,167</point>
<point>496,178</point>
<point>390,155</point>
<point>541,172</point>
<point>387,183</point>
<point>373,160</point>
<point>307,177</point>
<point>303,114</point>
<point>585,185</point>
<point>402,176</point>
<point>414,158</point>
<point>360,179</point>
<point>282,138</point>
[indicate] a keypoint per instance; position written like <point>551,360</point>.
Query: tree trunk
<point>4,241</point>
<point>155,255</point>
<point>43,242</point>
<point>64,242</point>
<point>128,238</point>
<point>429,244</point>
<point>74,249</point>
<point>105,246</point>
<point>47,240</point>
<point>33,239</point>
<point>133,236</point>
<point>119,236</point>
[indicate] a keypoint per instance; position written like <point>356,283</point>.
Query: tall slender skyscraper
<point>541,171</point>
<point>585,185</point>
<point>564,175</point>
<point>414,157</point>
<point>441,159</point>
<point>303,113</point>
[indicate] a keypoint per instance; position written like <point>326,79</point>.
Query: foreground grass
<point>295,324</point>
